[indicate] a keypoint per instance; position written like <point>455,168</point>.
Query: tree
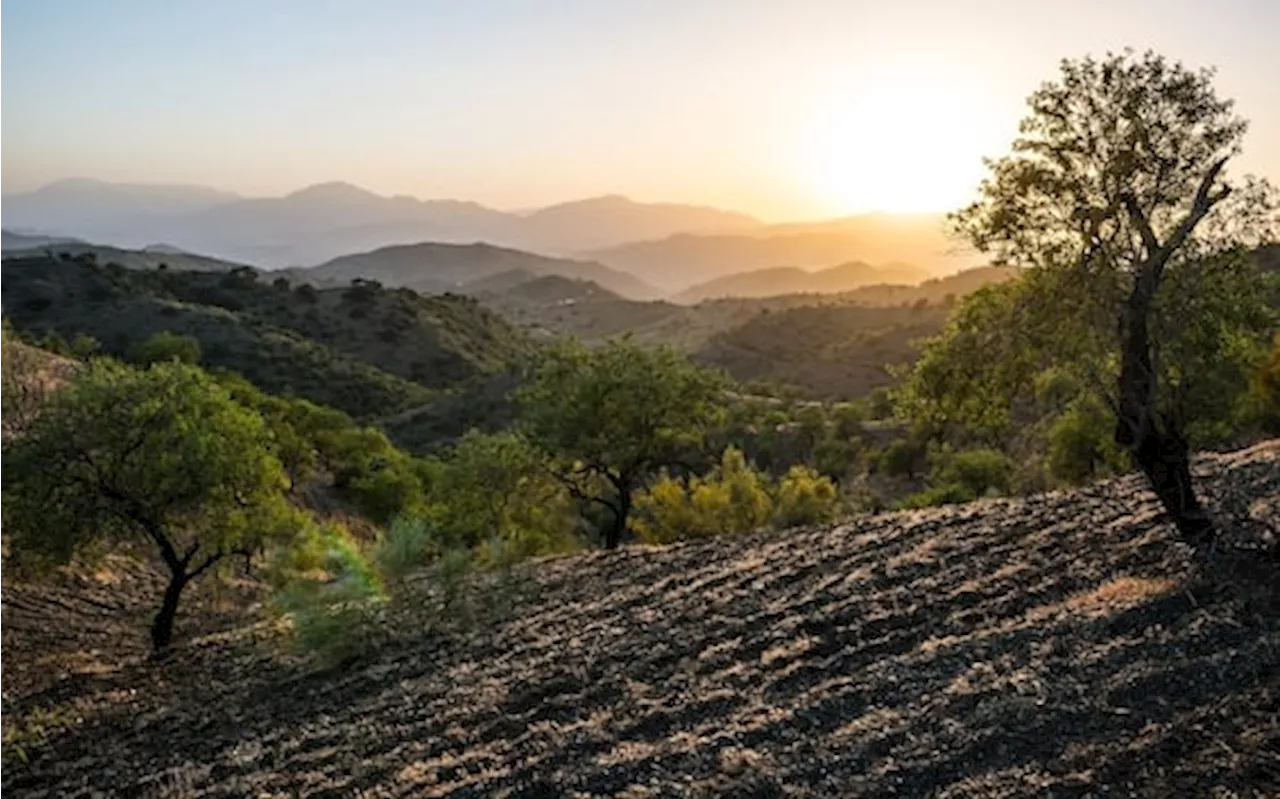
<point>615,415</point>
<point>162,457</point>
<point>166,346</point>
<point>1116,187</point>
<point>497,488</point>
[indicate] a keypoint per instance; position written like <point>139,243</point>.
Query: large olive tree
<point>161,458</point>
<point>1117,189</point>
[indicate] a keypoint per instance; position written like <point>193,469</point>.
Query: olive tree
<point>615,415</point>
<point>1117,188</point>
<point>161,458</point>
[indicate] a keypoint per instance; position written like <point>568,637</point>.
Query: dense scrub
<point>363,349</point>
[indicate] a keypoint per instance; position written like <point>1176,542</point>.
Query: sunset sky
<point>781,109</point>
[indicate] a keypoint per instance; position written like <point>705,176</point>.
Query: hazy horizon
<point>818,109</point>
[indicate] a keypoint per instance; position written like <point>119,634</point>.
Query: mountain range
<point>794,280</point>
<point>682,260</point>
<point>328,220</point>
<point>666,246</point>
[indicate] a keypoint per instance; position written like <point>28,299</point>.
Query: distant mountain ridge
<point>794,280</point>
<point>684,260</point>
<point>14,240</point>
<point>436,268</point>
<point>321,222</point>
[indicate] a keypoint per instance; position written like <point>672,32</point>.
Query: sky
<point>785,110</point>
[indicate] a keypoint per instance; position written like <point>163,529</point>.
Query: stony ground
<point>1063,645</point>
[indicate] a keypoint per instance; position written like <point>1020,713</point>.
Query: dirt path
<point>1061,645</point>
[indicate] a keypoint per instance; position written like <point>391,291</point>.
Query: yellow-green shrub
<point>804,497</point>
<point>733,498</point>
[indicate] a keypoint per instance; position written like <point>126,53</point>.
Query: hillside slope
<point>365,350</point>
<point>824,352</point>
<point>793,280</point>
<point>1060,645</point>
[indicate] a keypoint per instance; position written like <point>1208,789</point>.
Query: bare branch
<point>1204,201</point>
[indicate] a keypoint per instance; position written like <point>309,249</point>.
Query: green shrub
<point>331,594</point>
<point>901,458</point>
<point>500,485</point>
<point>1081,446</point>
<point>409,543</point>
<point>941,495</point>
<point>165,346</point>
<point>804,497</point>
<point>979,471</point>
<point>733,498</point>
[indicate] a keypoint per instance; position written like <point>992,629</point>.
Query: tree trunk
<point>1166,461</point>
<point>162,627</point>
<point>613,536</point>
<point>1155,441</point>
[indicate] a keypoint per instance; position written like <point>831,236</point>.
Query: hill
<point>145,259</point>
<point>834,345</point>
<point>793,280</point>
<point>612,219</point>
<point>683,260</point>
<point>824,352</point>
<point>434,268</point>
<point>12,240</point>
<point>366,350</point>
<point>98,209</point>
<point>1063,644</point>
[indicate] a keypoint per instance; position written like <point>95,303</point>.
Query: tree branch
<point>1204,201</point>
<point>1143,225</point>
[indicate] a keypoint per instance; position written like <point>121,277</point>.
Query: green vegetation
<point>732,498</point>
<point>365,442</point>
<point>616,414</point>
<point>162,458</point>
<point>1115,196</point>
<point>363,349</point>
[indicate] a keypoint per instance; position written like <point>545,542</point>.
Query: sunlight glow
<point>901,142</point>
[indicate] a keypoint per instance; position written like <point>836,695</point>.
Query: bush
<point>1081,446</point>
<point>902,458</point>
<point>978,471</point>
<point>804,497</point>
<point>331,594</point>
<point>733,498</point>
<point>165,346</point>
<point>499,485</point>
<point>410,543</point>
<point>940,495</point>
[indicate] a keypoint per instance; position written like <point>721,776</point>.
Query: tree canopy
<point>162,458</point>
<point>615,415</point>
<point>1116,191</point>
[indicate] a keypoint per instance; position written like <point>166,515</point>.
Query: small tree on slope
<point>615,415</point>
<point>163,458</point>
<point>1116,188</point>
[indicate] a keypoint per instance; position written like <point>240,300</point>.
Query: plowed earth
<point>1063,645</point>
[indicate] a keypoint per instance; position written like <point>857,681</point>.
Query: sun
<point>898,142</point>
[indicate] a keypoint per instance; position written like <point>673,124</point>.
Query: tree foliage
<point>1116,196</point>
<point>161,457</point>
<point>615,415</point>
<point>498,487</point>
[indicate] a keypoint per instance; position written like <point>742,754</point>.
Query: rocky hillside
<point>1061,645</point>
